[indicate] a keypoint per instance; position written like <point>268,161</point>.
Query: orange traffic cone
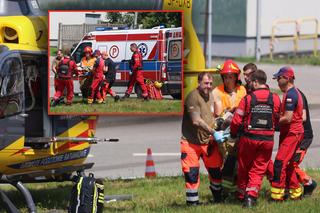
<point>150,169</point>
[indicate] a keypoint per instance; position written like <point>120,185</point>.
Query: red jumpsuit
<point>290,137</point>
<point>256,139</point>
<point>97,79</point>
<point>136,76</point>
<point>65,80</point>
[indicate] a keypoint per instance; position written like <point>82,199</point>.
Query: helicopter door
<point>11,97</point>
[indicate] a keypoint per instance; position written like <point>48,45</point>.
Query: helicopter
<point>34,147</point>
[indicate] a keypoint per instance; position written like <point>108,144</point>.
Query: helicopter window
<point>78,54</point>
<point>12,82</point>
<point>11,91</point>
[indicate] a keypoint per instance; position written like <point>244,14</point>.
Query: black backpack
<point>63,68</point>
<point>87,195</point>
<point>261,113</point>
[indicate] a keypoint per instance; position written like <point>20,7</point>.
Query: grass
<point>164,194</point>
<point>53,51</point>
<point>285,59</point>
<point>127,106</point>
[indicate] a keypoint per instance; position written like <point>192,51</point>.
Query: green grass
<point>127,106</point>
<point>53,51</point>
<point>164,194</point>
<point>284,59</point>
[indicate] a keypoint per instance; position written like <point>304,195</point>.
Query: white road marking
<point>156,154</point>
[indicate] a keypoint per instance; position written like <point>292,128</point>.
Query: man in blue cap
<point>291,134</point>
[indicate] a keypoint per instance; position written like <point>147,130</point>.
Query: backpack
<point>153,92</point>
<point>87,195</point>
<point>261,113</point>
<point>63,68</point>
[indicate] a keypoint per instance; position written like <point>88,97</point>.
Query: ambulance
<point>161,49</point>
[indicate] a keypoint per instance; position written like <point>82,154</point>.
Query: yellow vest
<point>227,100</point>
<point>87,63</point>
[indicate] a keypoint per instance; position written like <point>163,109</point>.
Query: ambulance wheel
<point>138,90</point>
<point>176,96</point>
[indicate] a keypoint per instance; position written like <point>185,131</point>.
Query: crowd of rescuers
<point>98,73</point>
<point>238,122</point>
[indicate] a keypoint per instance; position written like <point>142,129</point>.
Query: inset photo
<point>105,62</point>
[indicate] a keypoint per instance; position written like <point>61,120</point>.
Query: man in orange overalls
<point>197,141</point>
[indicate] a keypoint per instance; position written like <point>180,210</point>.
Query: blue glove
<point>218,136</point>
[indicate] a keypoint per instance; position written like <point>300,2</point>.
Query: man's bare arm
<point>199,122</point>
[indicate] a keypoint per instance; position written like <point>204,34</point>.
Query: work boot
<point>116,98</point>
<point>217,195</point>
<point>146,98</point>
<point>308,189</point>
<point>193,203</point>
<point>249,201</point>
<point>125,96</point>
<point>54,102</point>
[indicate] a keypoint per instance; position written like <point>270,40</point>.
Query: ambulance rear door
<point>174,64</point>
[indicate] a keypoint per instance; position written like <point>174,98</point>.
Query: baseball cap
<point>284,71</point>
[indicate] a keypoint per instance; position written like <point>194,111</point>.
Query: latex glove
<point>218,136</point>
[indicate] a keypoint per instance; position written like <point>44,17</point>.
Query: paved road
<point>126,158</point>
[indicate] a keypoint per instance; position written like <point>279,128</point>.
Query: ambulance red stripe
<point>131,37</point>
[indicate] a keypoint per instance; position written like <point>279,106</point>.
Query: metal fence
<point>72,34</point>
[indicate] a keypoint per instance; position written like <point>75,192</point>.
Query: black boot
<point>308,189</point>
<point>116,98</point>
<point>126,95</point>
<point>193,203</point>
<point>249,201</point>
<point>217,195</point>
<point>54,102</point>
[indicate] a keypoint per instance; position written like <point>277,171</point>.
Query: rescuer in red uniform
<point>98,70</point>
<point>136,67</point>
<point>291,134</point>
<point>255,120</point>
<point>66,68</point>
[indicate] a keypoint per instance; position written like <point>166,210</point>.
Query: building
<point>234,25</point>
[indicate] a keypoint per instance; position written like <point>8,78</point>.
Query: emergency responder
<point>308,183</point>
<point>85,68</point>
<point>110,76</point>
<point>227,95</point>
<point>97,71</point>
<point>66,69</point>
<point>136,67</point>
<point>291,134</point>
<point>254,122</point>
<point>54,66</point>
<point>248,70</point>
<point>197,142</point>
<point>88,59</point>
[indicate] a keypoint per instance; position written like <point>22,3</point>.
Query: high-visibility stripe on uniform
<point>215,186</point>
<point>192,195</point>
<point>277,193</point>
<point>295,193</point>
<point>252,189</point>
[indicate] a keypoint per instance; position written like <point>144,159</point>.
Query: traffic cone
<point>150,169</point>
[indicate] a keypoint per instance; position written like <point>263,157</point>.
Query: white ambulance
<point>161,50</point>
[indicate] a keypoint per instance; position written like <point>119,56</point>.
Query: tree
<point>153,19</point>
